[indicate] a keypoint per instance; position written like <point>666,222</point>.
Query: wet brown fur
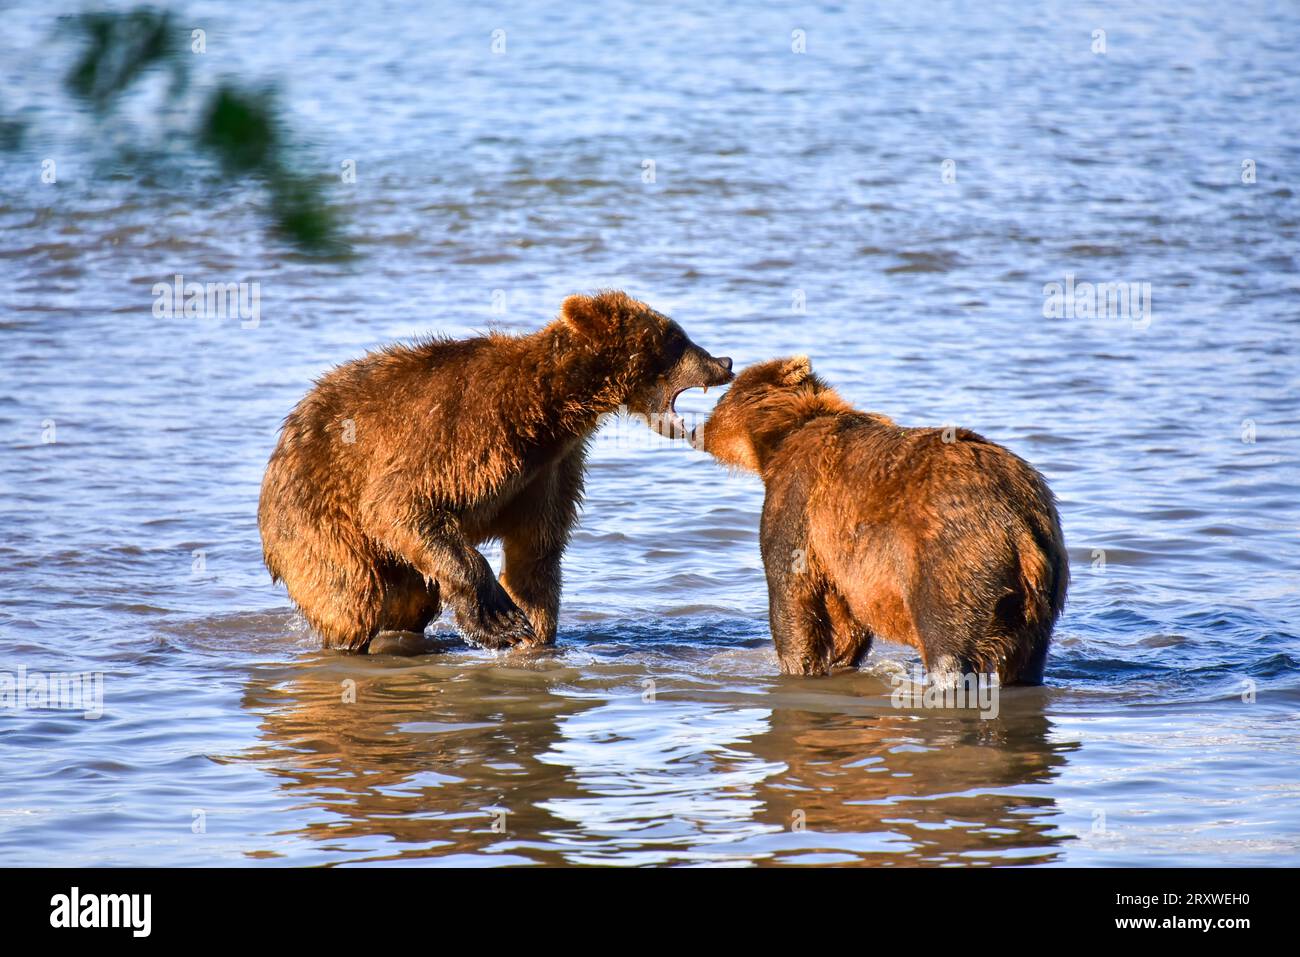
<point>395,466</point>
<point>873,530</point>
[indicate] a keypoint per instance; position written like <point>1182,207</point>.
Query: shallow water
<point>658,731</point>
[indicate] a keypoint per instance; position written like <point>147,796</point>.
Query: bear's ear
<point>586,315</point>
<point>796,370</point>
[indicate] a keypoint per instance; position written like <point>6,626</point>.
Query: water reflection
<point>421,761</point>
<point>931,787</point>
<point>586,756</point>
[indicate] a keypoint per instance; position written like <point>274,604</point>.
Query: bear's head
<point>766,401</point>
<point>651,360</point>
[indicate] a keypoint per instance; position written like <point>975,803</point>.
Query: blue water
<point>659,730</point>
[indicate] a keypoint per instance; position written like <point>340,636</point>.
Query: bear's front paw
<point>496,628</point>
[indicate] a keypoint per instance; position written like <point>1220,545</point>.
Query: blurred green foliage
<point>299,211</point>
<point>242,129</point>
<point>119,48</point>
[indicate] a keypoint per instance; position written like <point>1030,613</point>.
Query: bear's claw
<point>497,629</point>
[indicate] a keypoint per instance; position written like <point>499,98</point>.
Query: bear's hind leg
<point>850,641</point>
<point>801,628</point>
<point>485,613</point>
<point>410,604</point>
<point>1000,643</point>
<point>1016,643</point>
<point>340,595</point>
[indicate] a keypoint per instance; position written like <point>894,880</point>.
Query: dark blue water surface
<point>799,204</point>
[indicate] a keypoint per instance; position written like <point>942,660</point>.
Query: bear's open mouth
<point>702,372</point>
<point>667,422</point>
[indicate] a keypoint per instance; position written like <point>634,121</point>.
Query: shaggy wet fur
<point>934,538</point>
<point>393,469</point>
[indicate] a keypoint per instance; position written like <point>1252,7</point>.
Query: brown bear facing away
<point>395,466</point>
<point>874,530</point>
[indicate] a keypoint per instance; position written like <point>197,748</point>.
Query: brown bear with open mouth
<point>935,538</point>
<point>393,469</point>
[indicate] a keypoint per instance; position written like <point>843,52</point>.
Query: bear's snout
<point>718,370</point>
